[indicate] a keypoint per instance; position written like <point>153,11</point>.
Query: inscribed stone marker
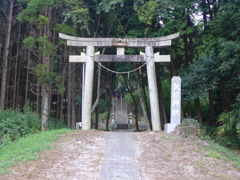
<point>175,100</point>
<point>175,105</point>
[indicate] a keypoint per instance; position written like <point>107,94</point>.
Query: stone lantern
<point>113,120</point>
<point>130,119</point>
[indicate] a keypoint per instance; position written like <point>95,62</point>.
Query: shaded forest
<point>36,76</point>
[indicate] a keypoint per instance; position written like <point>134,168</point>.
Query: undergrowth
<point>15,124</point>
<point>26,148</point>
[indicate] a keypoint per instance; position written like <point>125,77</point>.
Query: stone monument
<point>175,118</point>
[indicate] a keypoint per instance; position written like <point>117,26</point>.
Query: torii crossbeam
<point>120,43</point>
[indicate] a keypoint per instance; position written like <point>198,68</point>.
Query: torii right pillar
<point>152,86</point>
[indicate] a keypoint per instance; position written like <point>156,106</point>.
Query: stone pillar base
<point>170,127</point>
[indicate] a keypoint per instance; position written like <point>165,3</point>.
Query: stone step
<point>122,126</point>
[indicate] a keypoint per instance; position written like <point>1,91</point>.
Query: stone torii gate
<point>148,57</point>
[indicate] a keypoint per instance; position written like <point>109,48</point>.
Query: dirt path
<point>171,157</point>
<point>91,155</point>
<point>120,160</point>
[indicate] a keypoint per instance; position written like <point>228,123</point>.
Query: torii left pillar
<point>88,90</point>
<point>152,86</point>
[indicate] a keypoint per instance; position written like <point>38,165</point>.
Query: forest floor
<point>81,155</point>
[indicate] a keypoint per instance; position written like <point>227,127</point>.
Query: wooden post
<point>152,86</point>
<point>89,73</point>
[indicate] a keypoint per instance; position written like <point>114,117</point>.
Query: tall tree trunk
<point>162,108</point>
<point>58,108</point>
<point>210,9</point>
<point>186,48</point>
<point>69,95</point>
<point>189,109</point>
<point>211,108</point>
<point>135,102</point>
<point>45,92</point>
<point>173,69</point>
<point>144,109</point>
<point>204,6</point>
<point>5,56</point>
<point>98,89</point>
<point>46,87</point>
<point>191,47</point>
<point>99,66</point>
<point>8,88</point>
<point>21,91</point>
<point>15,84</point>
<point>136,115</point>
<point>146,102</point>
<point>198,110</point>
<point>62,95</point>
<point>45,106</point>
<point>226,96</point>
<point>110,77</point>
<point>96,117</point>
<point>73,106</point>
<point>64,74</point>
<point>109,110</point>
<point>27,76</point>
<point>38,107</point>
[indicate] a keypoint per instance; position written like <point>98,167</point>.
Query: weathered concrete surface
<point>152,86</point>
<point>119,58</point>
<point>119,42</point>
<point>120,159</point>
<point>87,104</point>
<point>175,119</point>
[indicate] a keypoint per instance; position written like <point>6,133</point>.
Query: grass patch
<point>213,154</point>
<point>26,148</point>
<point>215,150</point>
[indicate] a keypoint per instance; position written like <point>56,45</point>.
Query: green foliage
<point>42,72</point>
<point>14,124</point>
<point>229,121</point>
<point>77,14</point>
<point>42,20</point>
<point>190,127</point>
<point>66,29</point>
<point>223,38</point>
<point>166,87</point>
<point>26,148</point>
<point>48,77</point>
<point>34,7</point>
<point>129,98</point>
<point>108,5</point>
<point>46,48</point>
<point>102,106</point>
<point>238,129</point>
<point>147,13</point>
<point>101,116</point>
<point>29,42</point>
<point>53,124</point>
<point>200,77</point>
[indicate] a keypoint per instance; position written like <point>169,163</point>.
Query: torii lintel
<point>163,41</point>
